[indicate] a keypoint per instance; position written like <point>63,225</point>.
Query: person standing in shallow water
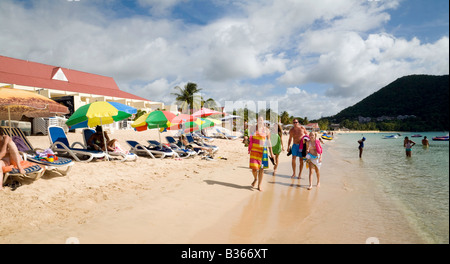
<point>361,146</point>
<point>408,144</point>
<point>425,142</point>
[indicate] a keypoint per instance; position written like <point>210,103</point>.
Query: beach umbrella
<point>156,119</point>
<point>178,121</point>
<point>215,121</point>
<point>99,113</point>
<point>230,117</point>
<point>181,119</point>
<point>199,124</point>
<point>15,103</point>
<point>206,123</point>
<point>204,112</point>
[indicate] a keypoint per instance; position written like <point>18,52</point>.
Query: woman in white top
<point>408,146</point>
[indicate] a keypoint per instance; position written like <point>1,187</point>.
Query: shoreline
<point>198,201</point>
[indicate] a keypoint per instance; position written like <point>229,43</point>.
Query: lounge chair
<point>183,152</point>
<point>203,137</point>
<point>61,165</point>
<point>191,140</point>
<point>33,171</point>
<point>60,144</point>
<point>169,152</point>
<point>142,150</point>
<point>88,132</point>
<point>225,135</point>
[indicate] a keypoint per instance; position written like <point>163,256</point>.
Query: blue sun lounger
<point>182,151</point>
<point>32,172</point>
<point>88,132</point>
<point>223,134</point>
<point>169,152</point>
<point>191,140</point>
<point>60,144</point>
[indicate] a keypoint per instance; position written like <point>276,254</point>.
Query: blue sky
<point>312,57</point>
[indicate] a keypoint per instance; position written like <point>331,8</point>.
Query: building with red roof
<point>312,127</point>
<point>67,85</point>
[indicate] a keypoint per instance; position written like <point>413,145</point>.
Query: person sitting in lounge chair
<point>97,142</point>
<point>184,142</point>
<point>9,154</point>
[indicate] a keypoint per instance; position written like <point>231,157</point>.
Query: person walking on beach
<point>295,136</point>
<point>361,146</point>
<point>9,155</point>
<point>314,158</point>
<point>276,140</point>
<point>425,142</point>
<point>408,144</point>
<point>257,144</point>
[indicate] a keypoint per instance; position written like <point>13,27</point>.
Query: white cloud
<point>357,67</point>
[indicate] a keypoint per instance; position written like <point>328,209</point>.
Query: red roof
<point>27,73</point>
<point>313,125</point>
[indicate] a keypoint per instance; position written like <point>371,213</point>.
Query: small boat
<point>389,137</point>
<point>416,135</point>
<point>441,138</point>
<point>327,137</point>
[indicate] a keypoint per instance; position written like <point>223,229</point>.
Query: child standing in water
<point>314,157</point>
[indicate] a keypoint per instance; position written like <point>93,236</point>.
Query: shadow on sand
<point>232,185</point>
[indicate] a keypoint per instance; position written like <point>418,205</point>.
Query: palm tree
<point>210,103</point>
<point>188,97</point>
<point>285,119</point>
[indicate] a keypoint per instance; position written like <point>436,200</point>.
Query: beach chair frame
<point>87,133</point>
<point>30,154</point>
<point>31,173</point>
<point>226,135</point>
<point>141,150</point>
<point>62,146</point>
<point>191,140</point>
<point>173,144</point>
<point>157,146</point>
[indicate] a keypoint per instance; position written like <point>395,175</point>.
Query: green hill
<point>424,98</point>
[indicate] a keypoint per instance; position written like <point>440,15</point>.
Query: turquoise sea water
<point>419,184</point>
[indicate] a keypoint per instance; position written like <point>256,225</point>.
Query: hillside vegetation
<point>420,101</point>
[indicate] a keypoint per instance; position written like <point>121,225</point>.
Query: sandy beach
<point>197,201</point>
